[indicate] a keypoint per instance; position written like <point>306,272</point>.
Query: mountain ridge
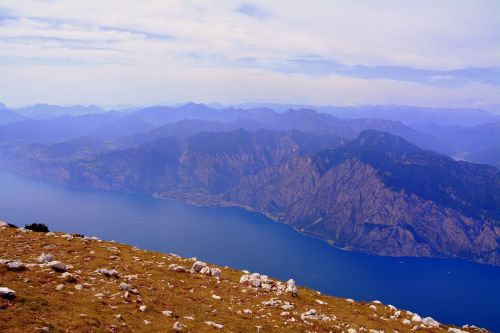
<point>390,197</point>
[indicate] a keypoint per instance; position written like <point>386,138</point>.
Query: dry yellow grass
<point>39,305</point>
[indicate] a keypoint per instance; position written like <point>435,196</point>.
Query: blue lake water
<point>451,291</point>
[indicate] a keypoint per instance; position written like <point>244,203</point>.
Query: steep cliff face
<point>377,193</point>
<point>350,207</point>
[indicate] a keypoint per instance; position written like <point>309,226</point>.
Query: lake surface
<point>451,291</point>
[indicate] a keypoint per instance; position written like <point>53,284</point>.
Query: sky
<point>442,53</point>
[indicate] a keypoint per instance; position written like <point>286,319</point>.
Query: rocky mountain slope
<point>378,193</point>
<point>53,282</point>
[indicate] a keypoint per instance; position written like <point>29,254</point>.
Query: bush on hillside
<point>38,227</point>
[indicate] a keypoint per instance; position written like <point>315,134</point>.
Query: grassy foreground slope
<point>78,298</point>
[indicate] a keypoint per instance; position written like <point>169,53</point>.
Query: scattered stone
<point>211,323</point>
<point>416,318</point>
<point>125,286</point>
<point>143,308</point>
<point>198,266</point>
<point>320,302</point>
<point>168,313</point>
<point>70,278</point>
<point>430,322</point>
<point>351,330</point>
<point>45,257</point>
<point>16,266</point>
<point>314,315</point>
<point>7,293</point>
<point>60,287</point>
<point>215,272</point>
<point>217,297</point>
<point>456,330</point>
<point>244,278</point>
<point>100,295</point>
<point>272,302</point>
<point>109,273</point>
<point>254,279</point>
<point>291,287</point>
<point>57,266</point>
<point>350,300</point>
<point>247,311</point>
<point>79,287</point>
<point>178,326</point>
<point>177,268</point>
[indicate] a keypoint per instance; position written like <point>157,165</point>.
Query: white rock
<point>321,302</point>
<point>287,307</point>
<point>416,318</point>
<point>266,286</point>
<point>68,277</point>
<point>7,293</point>
<point>108,273</point>
<point>350,300</point>
<point>125,286</point>
<point>16,266</point>
<point>79,287</point>
<point>430,322</point>
<point>205,270</point>
<point>57,266</point>
<point>244,278</point>
<point>351,330</point>
<point>45,257</point>
<point>456,330</point>
<point>143,308</point>
<point>247,311</point>
<point>215,272</point>
<point>211,323</point>
<point>168,313</point>
<point>373,307</point>
<point>177,268</point>
<point>312,314</point>
<point>406,321</point>
<point>217,297</point>
<point>198,266</point>
<point>178,326</point>
<point>60,287</point>
<point>292,290</point>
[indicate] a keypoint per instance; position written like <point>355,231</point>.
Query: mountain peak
<point>373,140</point>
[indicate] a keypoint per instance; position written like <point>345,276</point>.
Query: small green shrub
<point>38,227</point>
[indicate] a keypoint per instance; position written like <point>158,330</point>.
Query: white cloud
<point>183,44</point>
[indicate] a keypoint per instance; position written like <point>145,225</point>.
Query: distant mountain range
<point>427,128</point>
<point>376,193</point>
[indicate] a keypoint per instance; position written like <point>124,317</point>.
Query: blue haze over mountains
<point>389,180</point>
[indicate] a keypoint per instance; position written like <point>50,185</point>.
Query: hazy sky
<point>435,52</point>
